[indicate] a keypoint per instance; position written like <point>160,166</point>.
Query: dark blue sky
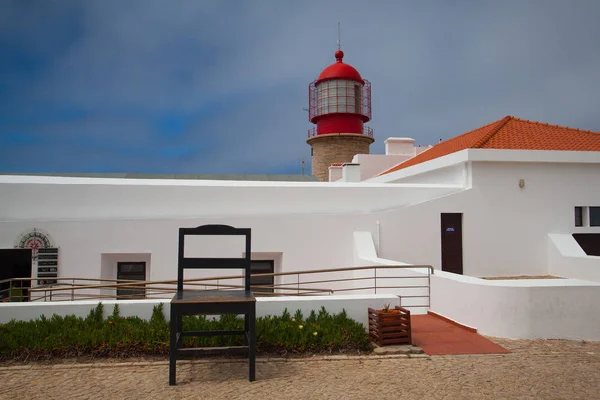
<point>220,86</point>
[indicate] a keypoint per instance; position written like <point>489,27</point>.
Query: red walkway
<point>439,337</point>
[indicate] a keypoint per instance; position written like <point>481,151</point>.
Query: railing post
<point>298,283</point>
<point>375,269</point>
<point>73,290</point>
<point>428,288</point>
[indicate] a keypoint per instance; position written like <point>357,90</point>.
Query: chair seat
<point>213,296</point>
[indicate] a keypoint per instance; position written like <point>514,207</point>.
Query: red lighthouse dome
<point>339,70</point>
<point>340,100</point>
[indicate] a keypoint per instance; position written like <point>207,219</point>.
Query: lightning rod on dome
<point>339,38</point>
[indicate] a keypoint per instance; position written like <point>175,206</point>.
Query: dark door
<point>262,267</point>
<point>15,263</point>
<point>452,256</point>
<point>135,271</point>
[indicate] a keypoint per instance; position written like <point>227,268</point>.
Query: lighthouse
<point>339,104</point>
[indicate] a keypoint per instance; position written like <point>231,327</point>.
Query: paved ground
<point>534,370</point>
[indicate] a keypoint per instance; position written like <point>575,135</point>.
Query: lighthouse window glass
<point>357,99</point>
<point>322,96</point>
<point>338,96</point>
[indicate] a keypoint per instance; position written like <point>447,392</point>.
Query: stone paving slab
<point>533,370</point>
<point>398,349</point>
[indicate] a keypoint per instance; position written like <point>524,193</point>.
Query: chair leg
<point>173,350</point>
<point>252,343</point>
<point>180,330</point>
<point>247,329</point>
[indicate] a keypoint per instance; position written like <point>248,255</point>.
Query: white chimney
<point>351,172</point>
<point>400,146</point>
<point>335,173</point>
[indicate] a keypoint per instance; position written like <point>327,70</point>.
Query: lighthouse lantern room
<point>339,100</point>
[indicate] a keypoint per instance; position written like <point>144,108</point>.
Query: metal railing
<point>367,131</point>
<point>296,283</point>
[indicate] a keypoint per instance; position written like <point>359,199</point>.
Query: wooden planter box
<point>389,328</point>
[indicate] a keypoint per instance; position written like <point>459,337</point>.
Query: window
<point>578,216</point>
<point>594,216</point>
<point>262,267</point>
<point>135,271</point>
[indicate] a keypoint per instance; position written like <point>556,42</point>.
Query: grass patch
<point>116,336</point>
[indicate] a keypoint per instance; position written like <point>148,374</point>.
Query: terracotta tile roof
<point>511,133</point>
<point>337,164</point>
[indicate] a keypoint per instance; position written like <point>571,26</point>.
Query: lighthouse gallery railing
<point>367,131</point>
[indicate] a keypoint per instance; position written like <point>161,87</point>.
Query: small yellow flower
<point>300,326</point>
<point>315,333</point>
<point>293,319</point>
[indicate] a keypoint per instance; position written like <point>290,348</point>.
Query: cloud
<point>219,87</point>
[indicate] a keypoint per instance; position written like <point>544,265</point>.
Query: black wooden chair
<point>212,302</point>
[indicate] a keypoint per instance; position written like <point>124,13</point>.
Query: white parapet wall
<point>516,309</point>
<point>568,260</point>
<point>356,307</point>
<point>520,309</point>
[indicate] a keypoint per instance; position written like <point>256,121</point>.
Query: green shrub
<point>119,336</point>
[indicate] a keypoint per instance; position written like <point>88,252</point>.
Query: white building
<point>512,198</point>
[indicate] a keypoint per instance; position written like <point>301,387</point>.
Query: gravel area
<point>539,369</point>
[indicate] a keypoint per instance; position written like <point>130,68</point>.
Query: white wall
<point>335,173</point>
<point>106,198</point>
<point>396,145</point>
<point>98,222</point>
<point>404,282</point>
<point>373,164</point>
<point>528,309</point>
<point>356,307</point>
<point>328,239</point>
<point>457,174</point>
<point>492,155</point>
<point>505,227</point>
<point>567,259</point>
<point>350,172</point>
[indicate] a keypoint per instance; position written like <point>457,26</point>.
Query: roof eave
<point>534,156</point>
<point>491,155</point>
<point>426,166</point>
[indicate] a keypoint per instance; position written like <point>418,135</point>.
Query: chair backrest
<point>211,262</point>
